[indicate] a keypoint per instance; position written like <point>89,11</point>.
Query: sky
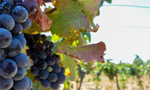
<point>125,30</point>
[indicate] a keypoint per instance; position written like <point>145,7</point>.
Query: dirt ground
<point>106,84</point>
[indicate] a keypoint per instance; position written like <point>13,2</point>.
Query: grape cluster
<point>45,67</point>
<point>14,64</point>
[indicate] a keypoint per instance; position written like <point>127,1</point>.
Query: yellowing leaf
<point>86,53</point>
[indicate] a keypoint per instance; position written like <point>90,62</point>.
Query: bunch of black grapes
<point>13,64</point>
<point>45,67</point>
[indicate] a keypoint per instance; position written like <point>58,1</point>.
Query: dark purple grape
<point>14,48</point>
<point>5,38</point>
<point>43,74</point>
<point>62,70</point>
<point>18,29</point>
<point>41,65</point>
<point>21,60</point>
<point>7,21</point>
<point>45,83</point>
<point>23,84</point>
<point>52,77</point>
<point>20,74</point>
<point>35,71</point>
<point>20,14</point>
<point>30,84</point>
<point>41,47</point>
<point>30,5</point>
<point>56,68</point>
<point>55,85</point>
<point>56,58</point>
<point>61,78</point>
<point>8,68</point>
<point>46,43</point>
<point>26,24</point>
<point>49,52</point>
<point>50,61</point>
<point>42,55</point>
<point>5,84</point>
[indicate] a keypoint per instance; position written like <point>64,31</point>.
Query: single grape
<point>18,29</point>
<point>5,84</point>
<point>49,69</point>
<point>21,39</point>
<point>30,5</point>
<point>50,61</point>
<point>41,47</point>
<point>62,70</point>
<point>61,78</point>
<point>23,84</point>
<point>55,85</point>
<point>42,55</point>
<point>19,14</point>
<point>26,24</point>
<point>35,71</point>
<point>30,84</point>
<point>45,83</point>
<point>20,74</point>
<point>56,58</point>
<point>41,65</point>
<point>7,21</point>
<point>56,68</point>
<point>43,74</point>
<point>14,48</point>
<point>46,43</point>
<point>21,60</point>
<point>49,52</point>
<point>52,77</point>
<point>8,68</point>
<point>5,38</point>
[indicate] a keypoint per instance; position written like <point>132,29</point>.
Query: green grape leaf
<point>86,53</point>
<point>69,62</point>
<point>69,16</point>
